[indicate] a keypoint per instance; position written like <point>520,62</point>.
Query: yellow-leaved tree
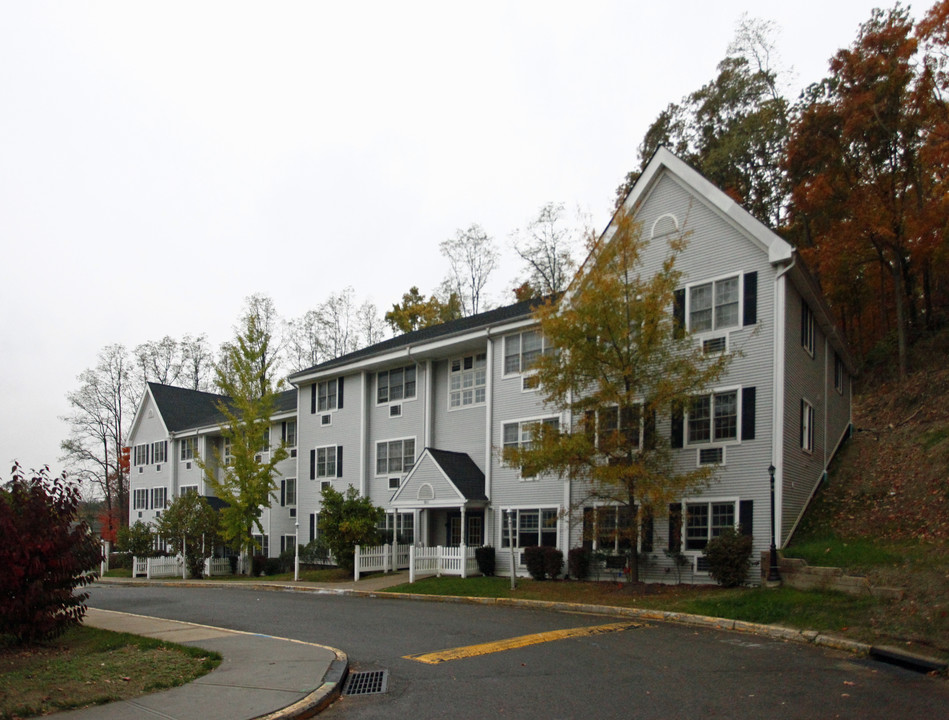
<point>622,366</point>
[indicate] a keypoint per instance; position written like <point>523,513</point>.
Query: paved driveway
<point>649,670</point>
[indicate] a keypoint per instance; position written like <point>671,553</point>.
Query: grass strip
<point>88,666</point>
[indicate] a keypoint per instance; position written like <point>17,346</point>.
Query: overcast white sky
<point>161,161</point>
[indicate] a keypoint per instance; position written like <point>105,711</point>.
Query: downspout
<point>488,424</point>
<point>777,409</point>
<point>363,419</point>
<point>174,465</point>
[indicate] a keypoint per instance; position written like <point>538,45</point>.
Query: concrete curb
<point>321,698</point>
<point>904,658</point>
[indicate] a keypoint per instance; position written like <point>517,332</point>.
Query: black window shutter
<point>801,426</point>
<point>751,298</point>
<point>678,313</point>
<point>675,527</point>
<point>283,493</point>
<point>313,399</point>
<point>645,531</point>
<point>748,413</point>
<point>312,527</point>
<point>746,517</point>
<point>339,393</point>
<point>649,429</point>
<point>678,423</point>
<point>803,324</point>
<point>339,461</point>
<point>283,431</point>
<point>312,464</point>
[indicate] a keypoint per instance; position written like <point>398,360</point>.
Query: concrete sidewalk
<point>259,677</point>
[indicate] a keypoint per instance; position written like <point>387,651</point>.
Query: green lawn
<point>88,666</point>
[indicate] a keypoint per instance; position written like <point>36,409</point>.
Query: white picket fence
<point>436,560</point>
<point>173,566</point>
<point>157,567</point>
<point>217,566</point>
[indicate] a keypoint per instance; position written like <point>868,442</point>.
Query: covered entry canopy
<point>441,479</point>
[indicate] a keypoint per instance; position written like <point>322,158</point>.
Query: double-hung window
<point>394,457</point>
<point>522,350</point>
<point>140,454</point>
<point>466,380</point>
<point>535,526</point>
<point>807,329</point>
<point>227,456</point>
<point>289,492</point>
<point>705,521</point>
<point>188,448</point>
<point>140,499</point>
<point>159,451</point>
<point>395,385</point>
<point>520,434</point>
<point>807,426</point>
<point>326,395</point>
<point>326,462</point>
<point>159,497</point>
<point>619,429</point>
<point>714,305</point>
<point>289,432</point>
<point>713,418</point>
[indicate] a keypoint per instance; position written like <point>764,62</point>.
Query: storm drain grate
<point>367,683</point>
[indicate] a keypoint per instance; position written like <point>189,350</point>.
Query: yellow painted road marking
<point>518,642</point>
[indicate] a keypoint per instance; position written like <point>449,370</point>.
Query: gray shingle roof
<point>462,471</point>
<point>184,409</point>
<point>517,311</point>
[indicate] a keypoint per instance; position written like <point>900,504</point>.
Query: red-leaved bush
<point>45,554</point>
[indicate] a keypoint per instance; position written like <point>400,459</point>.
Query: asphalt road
<point>652,671</point>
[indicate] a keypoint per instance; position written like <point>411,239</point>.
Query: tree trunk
<point>898,292</point>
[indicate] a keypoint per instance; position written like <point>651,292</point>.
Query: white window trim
<point>296,492</point>
<point>704,334</point>
<point>335,407</point>
<point>711,446</point>
<point>642,425</point>
<point>733,500</point>
<point>405,470</point>
<point>520,421</point>
<point>502,522</point>
<point>838,374</point>
<point>316,462</point>
<point>462,372</point>
<point>712,442</point>
<point>521,371</point>
<point>810,347</point>
<point>403,399</point>
<point>808,431</point>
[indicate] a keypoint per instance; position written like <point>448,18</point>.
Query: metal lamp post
<point>773,575</point>
<point>296,554</point>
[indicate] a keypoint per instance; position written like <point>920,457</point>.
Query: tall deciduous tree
<point>472,257</point>
<point>335,327</point>
<point>102,409</point>
<point>415,312</point>
<point>622,363</point>
<point>190,525</point>
<point>867,198</point>
<point>734,129</point>
<point>545,245</point>
<point>244,479</point>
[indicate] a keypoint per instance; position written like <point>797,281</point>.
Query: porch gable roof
<point>452,479</point>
